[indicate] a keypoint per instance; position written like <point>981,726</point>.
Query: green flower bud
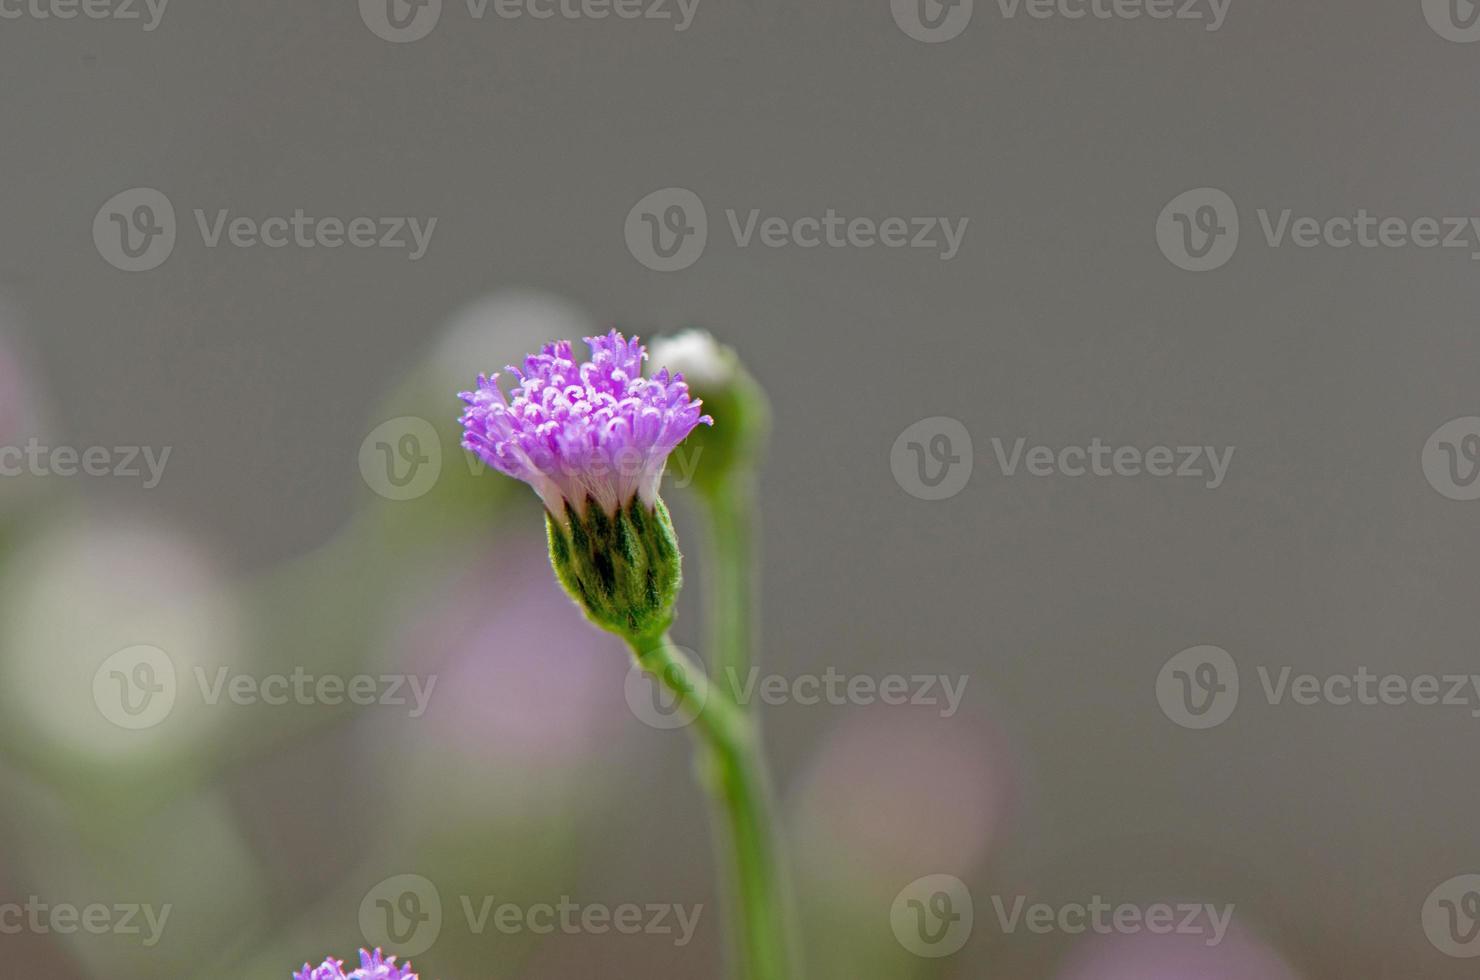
<point>715,375</point>
<point>623,570</point>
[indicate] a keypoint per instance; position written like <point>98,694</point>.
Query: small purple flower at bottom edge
<point>330,969</point>
<point>373,966</point>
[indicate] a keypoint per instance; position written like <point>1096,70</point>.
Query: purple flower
<point>373,966</point>
<point>597,430</point>
<point>330,969</point>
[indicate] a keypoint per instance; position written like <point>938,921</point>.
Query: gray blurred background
<point>1058,321</point>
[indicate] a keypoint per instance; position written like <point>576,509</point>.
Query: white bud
<point>704,362</point>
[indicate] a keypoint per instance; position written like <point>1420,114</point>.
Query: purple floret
<point>330,969</point>
<point>597,429</point>
<point>373,966</point>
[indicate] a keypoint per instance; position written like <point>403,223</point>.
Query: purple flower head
<point>596,430</point>
<point>330,969</point>
<point>373,966</point>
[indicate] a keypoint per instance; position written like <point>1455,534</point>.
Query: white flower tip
<point>704,362</point>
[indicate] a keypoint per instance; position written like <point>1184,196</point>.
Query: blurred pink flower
<point>1144,956</point>
<point>519,672</point>
<point>902,790</point>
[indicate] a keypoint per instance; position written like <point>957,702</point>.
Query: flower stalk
<point>728,600</point>
<point>733,772</point>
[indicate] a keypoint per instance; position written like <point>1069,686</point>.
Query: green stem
<point>729,588</point>
<point>735,775</point>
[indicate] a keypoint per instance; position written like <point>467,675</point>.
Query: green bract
<point>624,570</point>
